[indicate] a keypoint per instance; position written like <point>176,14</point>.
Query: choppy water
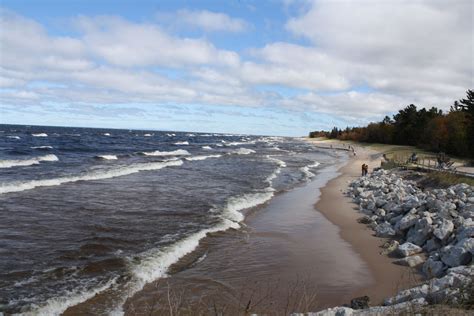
<point>83,211</point>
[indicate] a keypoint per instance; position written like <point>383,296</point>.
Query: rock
<point>432,245</point>
<point>407,221</point>
<point>360,302</point>
<point>444,230</point>
<point>421,232</point>
<point>408,249</point>
<point>466,232</point>
<point>433,268</point>
<point>384,230</point>
<point>454,256</point>
<point>467,244</point>
<point>380,202</point>
<point>411,262</point>
<point>408,294</point>
<point>411,202</point>
<point>364,220</point>
<point>389,247</point>
<point>335,311</point>
<point>380,212</point>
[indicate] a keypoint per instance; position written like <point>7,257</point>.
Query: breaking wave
<point>202,157</point>
<point>106,157</point>
<point>42,147</point>
<point>181,143</point>
<point>179,152</point>
<point>155,262</point>
<point>14,137</point>
<point>207,147</point>
<point>40,135</point>
<point>99,175</point>
<point>243,151</point>
<point>306,169</point>
<point>27,162</point>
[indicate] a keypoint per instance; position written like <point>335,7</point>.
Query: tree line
<point>430,129</point>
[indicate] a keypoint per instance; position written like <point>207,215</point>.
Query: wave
<point>27,162</point>
<point>179,152</point>
<point>57,305</point>
<point>202,157</point>
<point>244,151</point>
<point>14,137</point>
<point>99,175</point>
<point>190,135</point>
<point>181,143</point>
<point>207,147</point>
<point>106,157</point>
<point>281,164</point>
<point>148,135</point>
<point>306,171</point>
<point>42,147</point>
<point>170,134</point>
<point>106,134</point>
<point>238,143</point>
<point>154,263</point>
<point>40,135</point>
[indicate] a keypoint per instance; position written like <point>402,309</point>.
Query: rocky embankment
<point>431,230</point>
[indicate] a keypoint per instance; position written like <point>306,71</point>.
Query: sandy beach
<point>388,278</point>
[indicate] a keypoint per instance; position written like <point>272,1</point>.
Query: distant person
<point>365,169</point>
<point>413,158</point>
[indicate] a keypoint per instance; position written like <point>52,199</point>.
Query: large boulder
<point>421,231</point>
<point>433,268</point>
<point>384,230</point>
<point>407,221</point>
<point>408,249</point>
<point>454,256</point>
<point>467,244</point>
<point>444,229</point>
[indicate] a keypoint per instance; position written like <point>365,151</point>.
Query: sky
<point>274,67</point>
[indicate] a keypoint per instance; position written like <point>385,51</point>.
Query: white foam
<point>207,147</point>
<point>27,162</point>
<point>155,263</point>
<point>40,135</point>
<point>106,134</point>
<point>98,175</point>
<point>170,135</point>
<point>181,143</point>
<point>57,305</point>
<point>239,143</point>
<point>179,152</point>
<point>107,157</point>
<point>14,137</point>
<point>281,164</point>
<point>244,151</point>
<point>41,147</point>
<point>190,135</point>
<point>148,135</point>
<point>202,157</point>
<point>306,171</point>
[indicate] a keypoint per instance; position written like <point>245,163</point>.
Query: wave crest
<point>27,162</point>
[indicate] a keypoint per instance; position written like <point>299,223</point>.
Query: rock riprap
<point>432,229</point>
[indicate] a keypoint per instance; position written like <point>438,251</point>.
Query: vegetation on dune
<point>429,129</point>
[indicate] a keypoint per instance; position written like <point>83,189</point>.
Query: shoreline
<point>387,277</point>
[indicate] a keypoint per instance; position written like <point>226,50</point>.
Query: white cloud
<point>210,21</point>
<point>123,43</point>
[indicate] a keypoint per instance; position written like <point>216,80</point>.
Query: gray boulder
<point>407,221</point>
<point>408,249</point>
<point>454,256</point>
<point>433,268</point>
<point>467,244</point>
<point>384,230</point>
<point>444,230</point>
<point>432,245</point>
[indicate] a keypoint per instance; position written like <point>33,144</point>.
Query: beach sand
<point>388,278</point>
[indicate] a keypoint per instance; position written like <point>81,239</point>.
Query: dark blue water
<point>84,211</point>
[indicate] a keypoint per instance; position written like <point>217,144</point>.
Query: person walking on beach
<point>365,169</point>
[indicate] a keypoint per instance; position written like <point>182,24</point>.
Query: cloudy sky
<point>260,67</point>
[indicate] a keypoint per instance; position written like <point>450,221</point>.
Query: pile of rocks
<point>432,229</point>
<point>436,224</point>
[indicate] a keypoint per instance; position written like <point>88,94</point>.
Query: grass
<point>445,179</point>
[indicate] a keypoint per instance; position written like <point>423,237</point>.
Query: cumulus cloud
<point>210,21</point>
<point>399,47</point>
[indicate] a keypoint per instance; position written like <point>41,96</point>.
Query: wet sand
<point>387,278</point>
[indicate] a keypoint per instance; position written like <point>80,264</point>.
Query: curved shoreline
<point>339,209</point>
